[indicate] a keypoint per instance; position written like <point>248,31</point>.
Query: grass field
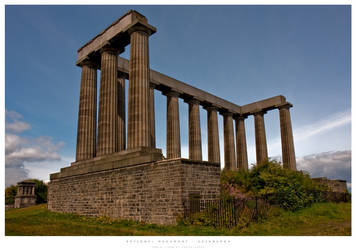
<point>319,219</point>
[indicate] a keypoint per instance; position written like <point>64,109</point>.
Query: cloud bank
<point>20,150</point>
<point>333,165</point>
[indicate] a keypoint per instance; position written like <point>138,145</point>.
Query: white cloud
<point>20,150</point>
<point>13,122</point>
<point>333,121</point>
<point>333,165</point>
<point>17,126</point>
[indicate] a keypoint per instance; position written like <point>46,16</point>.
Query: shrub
<point>289,189</point>
<point>41,189</point>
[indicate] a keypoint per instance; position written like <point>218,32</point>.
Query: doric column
<point>229,143</point>
<point>107,122</point>
<point>241,147</point>
<point>288,154</point>
<point>173,127</point>
<point>213,135</point>
<point>138,124</point>
<point>260,136</point>
<point>121,119</point>
<point>195,152</point>
<point>152,117</point>
<point>86,132</point>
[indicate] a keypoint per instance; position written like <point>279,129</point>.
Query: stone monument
<point>121,173</point>
<point>25,196</point>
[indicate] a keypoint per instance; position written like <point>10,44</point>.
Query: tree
<point>10,193</point>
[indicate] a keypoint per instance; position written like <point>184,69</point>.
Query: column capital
<point>259,112</point>
<point>211,108</point>
<point>192,101</point>
<point>285,106</point>
<point>171,93</point>
<point>226,113</point>
<point>143,29</point>
<point>112,50</point>
<point>239,117</point>
<point>90,63</point>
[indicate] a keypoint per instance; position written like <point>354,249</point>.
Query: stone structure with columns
<point>118,171</point>
<point>25,196</point>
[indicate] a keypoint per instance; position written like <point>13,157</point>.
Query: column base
<point>120,159</point>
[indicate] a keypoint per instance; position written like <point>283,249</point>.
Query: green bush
<point>289,189</point>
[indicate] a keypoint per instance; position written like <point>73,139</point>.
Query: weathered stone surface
<point>108,114</point>
<point>117,34</point>
<point>229,143</point>
<point>121,114</point>
<point>213,135</point>
<point>151,115</point>
<point>25,196</point>
<point>151,192</point>
<point>120,159</point>
<point>288,154</point>
<point>339,186</point>
<point>241,147</point>
<point>260,136</point>
<point>173,126</point>
<point>138,124</point>
<point>86,133</point>
<point>195,151</point>
<point>164,82</point>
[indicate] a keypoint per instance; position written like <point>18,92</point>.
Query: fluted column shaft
<point>195,151</point>
<point>86,133</point>
<point>152,117</point>
<point>121,119</point>
<point>229,143</point>
<point>241,147</point>
<point>213,135</point>
<point>288,154</point>
<point>107,122</point>
<point>138,124</point>
<point>173,127</point>
<point>260,136</point>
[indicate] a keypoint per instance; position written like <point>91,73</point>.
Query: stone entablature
<point>25,196</point>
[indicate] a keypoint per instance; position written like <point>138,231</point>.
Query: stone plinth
<point>152,192</point>
<point>25,196</point>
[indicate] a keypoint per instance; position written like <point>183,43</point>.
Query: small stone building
<point>25,196</point>
<point>337,186</point>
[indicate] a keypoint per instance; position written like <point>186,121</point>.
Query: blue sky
<point>240,53</point>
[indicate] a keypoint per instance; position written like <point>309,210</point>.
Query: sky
<point>240,53</point>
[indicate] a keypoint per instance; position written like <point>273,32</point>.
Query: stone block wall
<point>338,186</point>
<point>150,192</point>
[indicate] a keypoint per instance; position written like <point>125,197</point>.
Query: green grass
<point>319,219</point>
